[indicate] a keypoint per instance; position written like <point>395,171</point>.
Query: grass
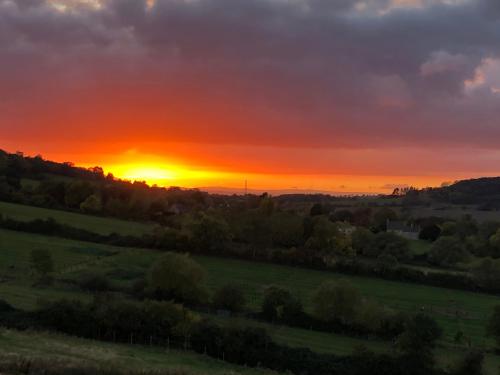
<point>454,310</point>
<point>50,346</point>
<point>15,248</point>
<point>96,224</point>
<point>419,247</point>
<point>330,343</point>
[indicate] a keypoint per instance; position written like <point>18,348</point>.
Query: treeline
<point>484,192</point>
<point>167,324</point>
<point>38,182</point>
<point>485,277</point>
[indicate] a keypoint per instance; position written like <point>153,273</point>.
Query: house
<point>401,228</point>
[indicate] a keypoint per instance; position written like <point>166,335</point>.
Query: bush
<point>178,277</point>
<point>430,233</point>
<point>94,282</point>
<point>390,244</point>
<point>447,251</point>
<point>280,305</point>
<point>336,301</point>
<point>229,298</point>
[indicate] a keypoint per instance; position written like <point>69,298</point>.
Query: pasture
<point>96,224</point>
<point>454,310</point>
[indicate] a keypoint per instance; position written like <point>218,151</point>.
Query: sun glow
<point>159,174</point>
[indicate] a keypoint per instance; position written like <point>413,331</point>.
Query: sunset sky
<point>331,95</point>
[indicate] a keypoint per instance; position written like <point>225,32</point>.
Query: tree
<point>286,229</point>
<point>417,343</point>
<point>342,215</point>
<point>430,232</point>
<point>229,298</point>
<point>362,240</point>
<point>370,315</point>
<point>316,209</point>
<point>387,262</point>
<point>280,305</point>
<point>336,301</point>
<point>210,233</point>
<point>487,229</point>
<point>494,242</point>
<point>493,326</point>
<point>93,204</point>
<point>487,274</point>
<point>327,237</point>
<point>470,364</point>
<point>76,193</point>
<point>447,251</point>
<point>41,263</point>
<point>179,277</point>
<point>257,231</point>
<point>94,282</point>
<point>449,228</point>
<point>381,216</point>
<point>390,244</point>
<point>466,226</point>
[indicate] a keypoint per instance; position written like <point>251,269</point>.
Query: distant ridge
<point>484,191</point>
<point>239,191</point>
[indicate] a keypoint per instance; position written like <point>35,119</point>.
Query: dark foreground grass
<point>67,349</point>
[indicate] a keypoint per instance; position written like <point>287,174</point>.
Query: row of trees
<point>209,235</point>
<point>168,324</point>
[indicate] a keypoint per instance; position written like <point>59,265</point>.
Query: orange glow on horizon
<point>165,175</point>
<point>188,167</point>
<point>158,173</point>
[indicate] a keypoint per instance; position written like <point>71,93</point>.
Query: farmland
<point>96,224</point>
<point>454,310</point>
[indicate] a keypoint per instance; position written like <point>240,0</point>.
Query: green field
<point>56,347</point>
<point>15,248</point>
<point>454,310</point>
<point>96,224</point>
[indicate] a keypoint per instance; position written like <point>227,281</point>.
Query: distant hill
<point>484,192</point>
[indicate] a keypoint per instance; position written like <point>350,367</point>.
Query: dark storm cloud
<point>280,72</point>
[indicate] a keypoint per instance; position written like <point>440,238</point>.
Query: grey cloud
<point>330,76</point>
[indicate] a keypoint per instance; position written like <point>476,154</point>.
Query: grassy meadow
<point>455,310</point>
<point>96,224</point>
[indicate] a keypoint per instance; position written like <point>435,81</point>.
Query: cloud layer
<point>334,75</point>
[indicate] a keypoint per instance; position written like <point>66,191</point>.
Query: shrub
<point>280,305</point>
<point>229,298</point>
<point>336,301</point>
<point>447,251</point>
<point>179,277</point>
<point>94,282</point>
